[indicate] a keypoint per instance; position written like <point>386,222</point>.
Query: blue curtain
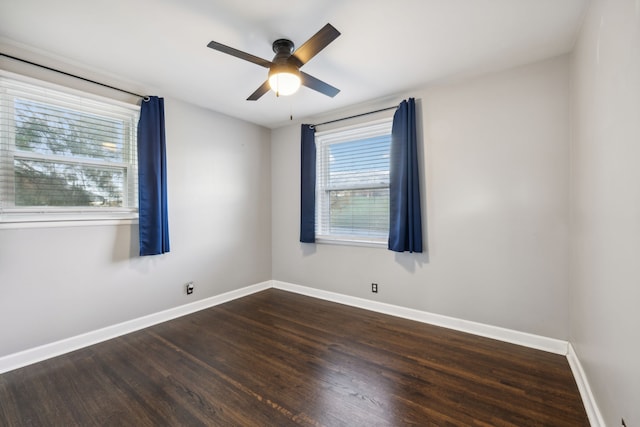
<point>152,178</point>
<point>405,224</point>
<point>308,184</point>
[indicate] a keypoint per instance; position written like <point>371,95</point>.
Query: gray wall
<point>58,282</point>
<point>605,208</point>
<point>495,151</point>
<point>498,194</point>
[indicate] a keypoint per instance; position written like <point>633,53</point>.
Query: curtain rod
<point>75,76</point>
<point>354,116</point>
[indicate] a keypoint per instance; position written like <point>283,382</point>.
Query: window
<point>65,154</point>
<point>352,184</point>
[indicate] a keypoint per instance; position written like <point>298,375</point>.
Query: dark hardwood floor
<point>278,359</point>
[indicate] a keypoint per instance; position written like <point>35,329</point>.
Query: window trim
<point>21,217</point>
<point>326,138</point>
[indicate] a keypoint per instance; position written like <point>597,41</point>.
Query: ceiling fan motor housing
<point>283,46</point>
<point>284,62</point>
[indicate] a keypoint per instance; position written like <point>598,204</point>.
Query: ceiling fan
<point>285,76</point>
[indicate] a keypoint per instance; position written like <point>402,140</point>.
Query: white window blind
<point>352,183</point>
<point>64,154</point>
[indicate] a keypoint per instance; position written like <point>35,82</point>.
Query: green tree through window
<point>64,152</point>
<point>50,130</point>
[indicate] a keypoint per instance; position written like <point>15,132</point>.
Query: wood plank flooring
<point>279,359</point>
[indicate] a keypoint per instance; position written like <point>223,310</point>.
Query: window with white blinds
<point>65,155</point>
<point>352,183</point>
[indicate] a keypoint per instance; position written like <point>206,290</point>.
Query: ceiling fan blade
<point>315,44</point>
<point>318,85</point>
<point>239,54</point>
<point>259,92</point>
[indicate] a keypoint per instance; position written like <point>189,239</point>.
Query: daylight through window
<point>352,183</point>
<point>64,154</point>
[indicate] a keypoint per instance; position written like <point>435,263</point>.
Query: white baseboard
<point>551,345</point>
<point>589,402</point>
<point>37,354</point>
<point>47,351</point>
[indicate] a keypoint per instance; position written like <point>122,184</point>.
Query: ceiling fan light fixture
<point>285,76</point>
<point>284,79</point>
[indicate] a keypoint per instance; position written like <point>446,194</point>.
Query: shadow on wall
<point>409,261</point>
<point>308,249</point>
<point>125,243</point>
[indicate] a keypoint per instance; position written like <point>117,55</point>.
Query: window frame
<point>323,140</point>
<point>84,102</point>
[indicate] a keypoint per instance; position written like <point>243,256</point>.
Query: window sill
<point>54,221</point>
<point>350,242</point>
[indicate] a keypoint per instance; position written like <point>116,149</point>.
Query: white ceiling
<point>386,47</point>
